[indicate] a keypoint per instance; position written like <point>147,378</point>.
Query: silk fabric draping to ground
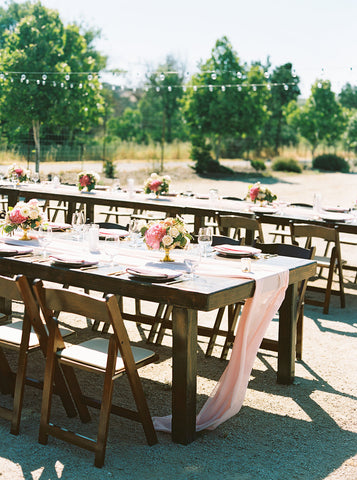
<point>227,397</point>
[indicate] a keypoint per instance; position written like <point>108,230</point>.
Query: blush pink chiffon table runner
<point>227,397</point>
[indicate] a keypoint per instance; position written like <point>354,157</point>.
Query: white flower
<point>154,176</point>
<point>25,211</point>
<point>167,240</point>
<point>174,232</point>
<point>34,213</point>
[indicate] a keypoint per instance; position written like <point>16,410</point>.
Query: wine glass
<point>44,237</point>
<point>35,177</point>
<point>111,247</point>
<point>205,236</point>
<point>192,258</point>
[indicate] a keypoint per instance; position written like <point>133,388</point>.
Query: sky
<point>317,36</point>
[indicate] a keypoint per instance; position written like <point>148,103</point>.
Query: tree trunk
<point>163,141</point>
<point>36,137</point>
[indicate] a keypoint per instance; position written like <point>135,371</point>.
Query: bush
<point>258,165</point>
<point>286,165</point>
<point>108,169</point>
<point>331,163</point>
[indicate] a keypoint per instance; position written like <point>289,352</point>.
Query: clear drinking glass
<point>205,236</point>
<point>77,224</point>
<point>134,232</point>
<point>111,247</point>
<point>44,237</point>
<point>192,259</point>
<point>35,177</point>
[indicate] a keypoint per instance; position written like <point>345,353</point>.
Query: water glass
<point>205,236</point>
<point>192,259</point>
<point>77,225</point>
<point>134,232</point>
<point>35,177</point>
<point>44,237</point>
<point>111,247</point>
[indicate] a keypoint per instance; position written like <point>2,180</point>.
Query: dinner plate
<point>10,252</point>
<point>105,232</point>
<point>335,209</point>
<point>236,251</point>
<point>59,227</point>
<point>69,263</point>
<point>266,210</point>
<point>151,275</point>
<point>335,217</point>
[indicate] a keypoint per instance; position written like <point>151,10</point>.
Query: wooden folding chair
<point>333,262</point>
<point>232,226</point>
<point>25,336</point>
<point>112,358</point>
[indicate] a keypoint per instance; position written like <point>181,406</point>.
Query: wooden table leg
<point>287,337</point>
<point>184,375</point>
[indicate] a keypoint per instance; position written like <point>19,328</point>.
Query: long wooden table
<point>187,298</point>
<point>172,206</point>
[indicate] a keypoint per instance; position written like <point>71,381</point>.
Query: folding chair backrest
<point>313,231</point>
<point>235,223</point>
<point>287,250</point>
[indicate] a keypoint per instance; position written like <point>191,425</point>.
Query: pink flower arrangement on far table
<point>87,180</point>
<point>257,193</point>
<point>22,175</point>
<point>157,184</point>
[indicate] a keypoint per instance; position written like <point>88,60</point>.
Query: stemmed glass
<point>77,224</point>
<point>205,236</point>
<point>44,237</point>
<point>192,259</point>
<point>111,246</point>
<point>35,177</point>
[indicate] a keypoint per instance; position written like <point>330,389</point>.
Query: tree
<point>52,96</point>
<point>160,107</point>
<point>221,103</point>
<point>285,91</point>
<point>348,96</point>
<point>350,136</point>
<point>321,118</point>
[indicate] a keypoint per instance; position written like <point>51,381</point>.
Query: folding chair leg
<point>6,375</point>
<point>233,314</point>
<point>157,321</point>
<point>19,393</point>
<point>213,337</point>
<point>162,329</point>
<point>47,397</point>
<point>328,290</point>
<point>299,333</point>
<point>76,392</point>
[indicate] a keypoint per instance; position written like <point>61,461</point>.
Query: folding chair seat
<point>333,262</point>
<point>24,336</point>
<point>232,226</point>
<point>110,357</point>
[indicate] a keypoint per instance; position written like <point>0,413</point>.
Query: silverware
<point>117,274</point>
<point>92,267</point>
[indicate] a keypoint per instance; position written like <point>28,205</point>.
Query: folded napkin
<point>59,227</point>
<point>7,250</point>
<point>148,272</point>
<point>71,260</point>
<point>243,250</point>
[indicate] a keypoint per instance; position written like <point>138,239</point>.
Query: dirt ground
<point>305,431</point>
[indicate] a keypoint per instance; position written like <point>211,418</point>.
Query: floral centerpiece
<point>166,234</point>
<point>87,180</point>
<point>157,184</point>
<point>24,215</point>
<point>258,193</point>
<point>19,173</point>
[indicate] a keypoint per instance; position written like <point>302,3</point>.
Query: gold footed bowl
<point>25,234</point>
<point>167,257</point>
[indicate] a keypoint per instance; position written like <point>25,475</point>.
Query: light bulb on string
<point>80,85</point>
<point>294,73</point>
<point>27,81</point>
<point>71,85</point>
<point>195,88</point>
<point>43,82</point>
<point>223,88</point>
<point>239,88</point>
<point>286,87</point>
<point>239,75</point>
<point>62,84</point>
<point>169,88</point>
<point>38,82</point>
<point>162,76</point>
<point>254,88</point>
<point>23,77</point>
<point>269,86</point>
<point>90,77</point>
<point>157,89</point>
<point>319,85</point>
<point>67,77</point>
<point>214,76</point>
<point>266,74</point>
<point>54,84</point>
<point>2,76</point>
<point>210,88</point>
<point>44,77</point>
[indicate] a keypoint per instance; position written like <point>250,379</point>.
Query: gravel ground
<point>305,431</point>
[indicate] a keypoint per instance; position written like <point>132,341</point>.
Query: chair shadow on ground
<point>273,442</point>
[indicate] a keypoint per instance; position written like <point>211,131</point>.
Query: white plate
<point>237,251</point>
<point>335,217</point>
<point>266,210</point>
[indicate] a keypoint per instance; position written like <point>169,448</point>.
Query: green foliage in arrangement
<point>286,165</point>
<point>258,165</point>
<point>331,163</point>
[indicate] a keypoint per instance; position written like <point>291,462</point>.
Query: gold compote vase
<point>25,233</point>
<point>167,257</point>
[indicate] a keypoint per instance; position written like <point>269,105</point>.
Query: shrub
<point>330,163</point>
<point>108,169</point>
<point>286,165</point>
<point>258,165</point>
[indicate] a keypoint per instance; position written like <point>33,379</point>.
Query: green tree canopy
<point>348,96</point>
<point>48,79</point>
<point>321,118</point>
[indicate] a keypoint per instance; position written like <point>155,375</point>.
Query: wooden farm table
<point>188,297</point>
<point>171,206</point>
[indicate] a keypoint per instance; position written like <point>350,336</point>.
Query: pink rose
<point>253,193</point>
<point>16,217</point>
<point>84,181</point>
<point>154,235</point>
<point>33,201</point>
<point>18,171</point>
<point>155,185</point>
